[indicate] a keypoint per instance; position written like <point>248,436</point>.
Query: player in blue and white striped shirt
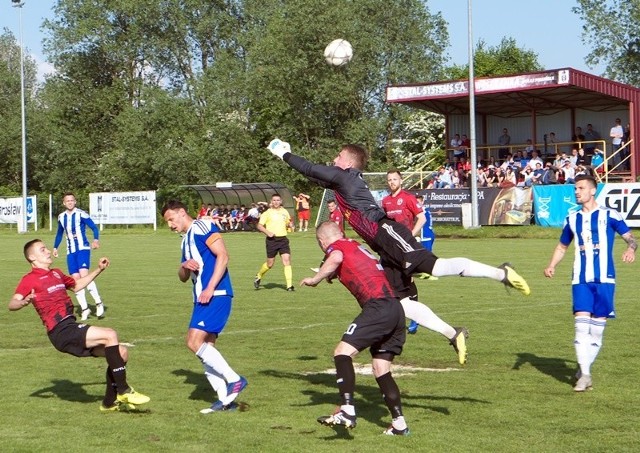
<point>73,223</point>
<point>204,262</point>
<point>593,283</point>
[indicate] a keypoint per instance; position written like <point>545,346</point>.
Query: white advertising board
<point>123,208</point>
<point>11,210</point>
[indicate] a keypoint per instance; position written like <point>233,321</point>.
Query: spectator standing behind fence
<point>616,134</point>
<point>591,135</point>
<point>578,136</point>
<point>304,213</point>
<point>456,147</point>
<point>504,141</point>
<point>529,149</point>
<point>466,143</point>
<point>552,142</point>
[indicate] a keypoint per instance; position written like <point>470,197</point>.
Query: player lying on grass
<point>46,289</point>
<point>380,326</point>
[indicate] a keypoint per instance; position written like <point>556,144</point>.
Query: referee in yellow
<point>273,223</point>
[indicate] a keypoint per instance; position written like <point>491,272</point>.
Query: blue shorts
<point>594,298</point>
<point>211,317</point>
<point>427,243</point>
<point>78,260</point>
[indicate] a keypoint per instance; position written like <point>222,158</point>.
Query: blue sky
<point>547,27</point>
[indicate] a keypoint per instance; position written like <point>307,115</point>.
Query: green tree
<point>153,93</point>
<point>612,30</point>
<point>503,59</point>
<point>421,146</point>
<point>11,109</point>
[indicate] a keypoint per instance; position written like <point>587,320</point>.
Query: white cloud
<point>43,68</point>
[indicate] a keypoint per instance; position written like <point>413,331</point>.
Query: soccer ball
<point>338,52</point>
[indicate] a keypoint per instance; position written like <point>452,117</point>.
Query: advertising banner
<point>496,206</point>
<point>123,208</point>
<point>554,203</point>
<point>11,210</point>
<point>624,198</point>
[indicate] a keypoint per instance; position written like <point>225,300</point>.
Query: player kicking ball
<point>46,289</point>
<point>380,326</point>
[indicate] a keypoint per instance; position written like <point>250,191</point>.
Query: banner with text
<point>123,208</point>
<point>554,203</point>
<point>496,206</point>
<point>11,210</point>
<point>624,198</point>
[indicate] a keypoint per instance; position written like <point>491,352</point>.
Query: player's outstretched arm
<point>83,282</point>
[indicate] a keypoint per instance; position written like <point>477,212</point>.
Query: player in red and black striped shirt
<point>46,289</point>
<point>380,326</point>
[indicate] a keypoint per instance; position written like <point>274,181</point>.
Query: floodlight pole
<point>472,126</point>
<point>19,4</point>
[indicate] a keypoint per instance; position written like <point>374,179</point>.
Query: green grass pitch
<point>515,394</point>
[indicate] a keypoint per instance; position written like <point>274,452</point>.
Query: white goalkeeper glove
<point>279,148</point>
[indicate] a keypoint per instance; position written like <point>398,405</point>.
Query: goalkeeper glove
<point>279,148</point>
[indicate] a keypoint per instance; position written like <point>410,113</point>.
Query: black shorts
<point>399,249</point>
<point>277,244</point>
<point>70,337</point>
<point>380,327</point>
<point>403,284</point>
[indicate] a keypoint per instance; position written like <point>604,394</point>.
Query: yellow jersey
<point>276,220</point>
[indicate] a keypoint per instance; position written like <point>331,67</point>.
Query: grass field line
<point>398,370</point>
<point>4,351</point>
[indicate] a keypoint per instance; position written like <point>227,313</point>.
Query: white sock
<point>348,409</point>
<point>211,357</point>
<point>93,290</point>
<point>465,267</point>
<point>82,300</point>
<point>217,382</point>
<point>596,330</point>
<point>399,423</point>
<point>582,343</point>
<point>424,316</point>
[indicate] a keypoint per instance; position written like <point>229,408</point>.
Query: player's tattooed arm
<point>630,240</point>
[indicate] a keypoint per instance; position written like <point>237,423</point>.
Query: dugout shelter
<point>531,106</point>
<point>244,193</point>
